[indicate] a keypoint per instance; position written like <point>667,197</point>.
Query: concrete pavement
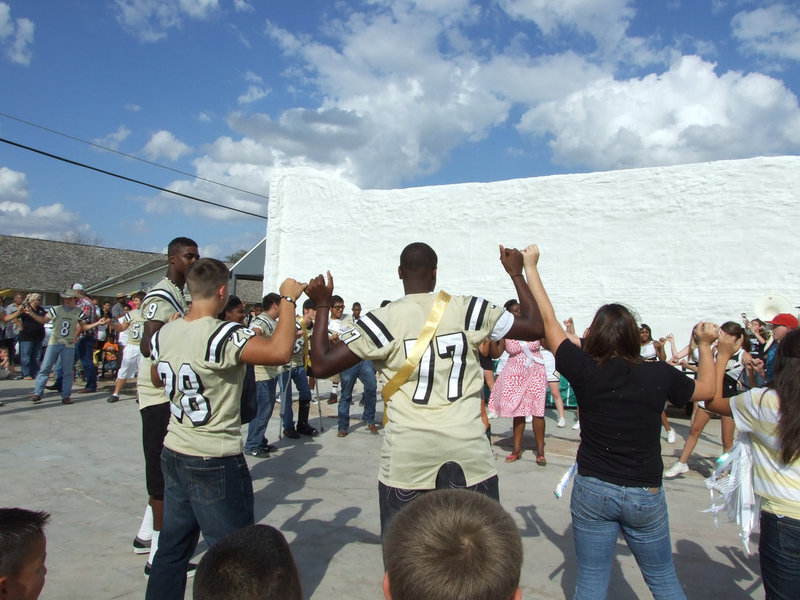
<point>83,463</point>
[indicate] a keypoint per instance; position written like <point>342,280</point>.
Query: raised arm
<point>276,350</point>
<point>529,325</point>
<point>10,317</point>
<point>705,385</point>
<point>326,360</point>
<point>728,346</point>
<point>553,331</point>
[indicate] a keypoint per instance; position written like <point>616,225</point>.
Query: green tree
<point>232,258</point>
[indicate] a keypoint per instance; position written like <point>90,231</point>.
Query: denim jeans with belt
<point>265,403</point>
<point>364,372</point>
<point>600,510</point>
<point>212,495</point>
<point>779,555</point>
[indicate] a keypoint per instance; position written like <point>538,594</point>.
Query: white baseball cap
<point>77,286</point>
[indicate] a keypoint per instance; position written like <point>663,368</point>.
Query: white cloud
<point>254,93</point>
<point>387,115</point>
<point>114,139</point>
<point>204,116</point>
<point>253,77</point>
<point>16,36</point>
<point>150,20</point>
<point>17,217</point>
<point>605,21</point>
<point>242,6</point>
<point>772,31</point>
<point>164,144</point>
<point>686,114</point>
<point>133,107</point>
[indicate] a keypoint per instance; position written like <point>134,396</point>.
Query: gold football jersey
<point>136,328</point>
<point>266,325</point>
<point>162,301</point>
<point>198,361</point>
<point>435,415</point>
<point>65,325</point>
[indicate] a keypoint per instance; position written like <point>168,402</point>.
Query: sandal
<point>541,461</point>
<point>512,458</point>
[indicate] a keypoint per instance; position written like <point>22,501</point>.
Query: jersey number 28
<point>188,385</point>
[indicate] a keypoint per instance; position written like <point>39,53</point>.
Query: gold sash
<point>412,360</point>
<point>306,355</point>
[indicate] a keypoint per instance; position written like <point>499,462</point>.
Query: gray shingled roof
<point>48,266</point>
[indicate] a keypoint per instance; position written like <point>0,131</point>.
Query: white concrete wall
<point>678,244</point>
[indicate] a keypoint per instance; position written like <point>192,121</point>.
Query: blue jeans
<point>779,554</point>
<point>29,354</point>
<point>364,372</point>
<point>599,511</point>
<point>265,403</point>
<point>84,348</point>
<point>51,356</point>
<point>298,375</point>
<point>212,495</point>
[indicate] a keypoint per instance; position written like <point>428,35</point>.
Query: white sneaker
<point>577,426</point>
<point>561,422</point>
<point>671,436</point>
<point>678,468</point>
<point>491,415</point>
<point>529,419</point>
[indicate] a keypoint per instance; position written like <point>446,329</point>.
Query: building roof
<point>48,266</point>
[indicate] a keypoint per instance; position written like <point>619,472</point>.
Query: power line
<point>118,176</point>
<point>131,156</point>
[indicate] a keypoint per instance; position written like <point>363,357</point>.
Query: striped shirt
<point>757,412</point>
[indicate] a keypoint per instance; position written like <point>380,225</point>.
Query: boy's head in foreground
<point>254,563</point>
<point>452,545</point>
<point>23,548</point>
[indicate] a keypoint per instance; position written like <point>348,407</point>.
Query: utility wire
<point>118,176</point>
<point>131,156</point>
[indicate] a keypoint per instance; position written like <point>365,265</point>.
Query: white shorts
<point>131,361</point>
<point>550,365</point>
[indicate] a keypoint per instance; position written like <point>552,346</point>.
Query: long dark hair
<point>787,385</point>
<point>613,333</point>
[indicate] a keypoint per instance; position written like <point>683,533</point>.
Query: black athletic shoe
<point>306,429</point>
<point>141,546</point>
<point>291,433</point>
<point>259,452</point>
<point>112,398</point>
<point>53,387</point>
<point>268,447</point>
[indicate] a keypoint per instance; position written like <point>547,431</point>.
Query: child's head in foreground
<point>452,545</point>
<point>23,548</point>
<point>254,563</point>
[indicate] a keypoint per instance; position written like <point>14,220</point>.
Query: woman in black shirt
<point>621,397</point>
<point>31,337</point>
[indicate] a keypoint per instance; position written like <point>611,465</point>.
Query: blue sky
<point>386,94</point>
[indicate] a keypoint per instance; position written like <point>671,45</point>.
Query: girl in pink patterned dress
<point>520,391</point>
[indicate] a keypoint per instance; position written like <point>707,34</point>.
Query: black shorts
<point>154,428</point>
